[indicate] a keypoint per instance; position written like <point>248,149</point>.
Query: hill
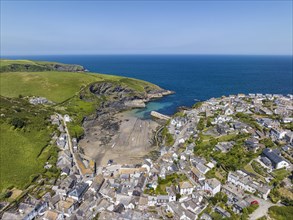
<point>34,66</point>
<point>25,128</point>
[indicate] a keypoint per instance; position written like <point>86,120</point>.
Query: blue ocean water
<point>192,77</point>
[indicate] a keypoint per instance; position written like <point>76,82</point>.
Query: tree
<point>18,122</point>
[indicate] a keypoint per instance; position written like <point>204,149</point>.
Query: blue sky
<point>146,27</point>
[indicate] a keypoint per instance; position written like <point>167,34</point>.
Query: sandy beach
<point>124,138</point>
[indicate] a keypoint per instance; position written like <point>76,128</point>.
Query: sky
<point>146,27</point>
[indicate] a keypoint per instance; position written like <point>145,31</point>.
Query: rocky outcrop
<point>120,97</point>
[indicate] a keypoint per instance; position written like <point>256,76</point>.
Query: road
<point>263,208</point>
<point>70,144</point>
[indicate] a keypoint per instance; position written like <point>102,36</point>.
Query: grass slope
<point>57,86</point>
<point>22,149</point>
<point>34,66</point>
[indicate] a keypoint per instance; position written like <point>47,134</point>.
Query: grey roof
<point>79,190</point>
<point>275,158</point>
<point>266,160</point>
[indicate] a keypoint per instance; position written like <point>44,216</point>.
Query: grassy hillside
<point>34,66</point>
<point>25,129</point>
<point>25,132</point>
<point>57,86</point>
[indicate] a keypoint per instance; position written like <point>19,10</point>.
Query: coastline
<point>120,135</point>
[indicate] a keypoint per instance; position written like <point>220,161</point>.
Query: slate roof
<point>275,158</point>
<point>79,190</point>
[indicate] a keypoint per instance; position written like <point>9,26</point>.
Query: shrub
<point>280,213</point>
<point>18,122</point>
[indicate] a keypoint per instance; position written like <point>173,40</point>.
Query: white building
<point>213,186</point>
<point>185,188</point>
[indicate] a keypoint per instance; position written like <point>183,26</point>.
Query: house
<point>142,203</point>
<point>223,212</point>
<point>222,128</point>
<point>97,183</point>
<point>52,215</point>
<point>206,216</point>
<point>239,206</point>
<point>213,186</point>
<point>229,110</point>
<point>252,144</point>
<point>78,191</point>
<point>185,188</point>
<point>267,122</point>
<point>196,175</point>
<point>152,201</point>
<point>171,193</point>
<point>162,200</point>
<point>202,168</point>
<point>224,147</point>
<point>289,137</point>
<point>233,192</point>
<point>162,173</point>
<point>66,206</point>
<point>179,212</point>
<point>266,161</point>
<point>192,205</point>
<point>247,183</point>
<point>274,156</point>
<point>67,118</point>
<point>277,133</point>
<point>74,144</point>
<point>241,179</point>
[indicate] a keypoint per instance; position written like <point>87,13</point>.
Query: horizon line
<point>141,54</point>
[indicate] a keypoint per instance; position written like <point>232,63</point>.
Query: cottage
<point>162,200</point>
<point>52,215</point>
<point>252,144</point>
<point>196,175</point>
<point>66,206</point>
<point>179,212</point>
<point>171,193</point>
<point>213,186</point>
<point>224,147</point>
<point>202,168</point>
<point>185,188</point>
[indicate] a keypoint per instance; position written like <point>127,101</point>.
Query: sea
<point>193,78</point>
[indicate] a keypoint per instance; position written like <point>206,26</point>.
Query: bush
<point>200,125</point>
<point>281,213</point>
<point>18,122</point>
<point>252,208</point>
<point>219,197</point>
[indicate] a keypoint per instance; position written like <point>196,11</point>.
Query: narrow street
<point>70,144</point>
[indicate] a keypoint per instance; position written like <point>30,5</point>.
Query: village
<point>228,157</point>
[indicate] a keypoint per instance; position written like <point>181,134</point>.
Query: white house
<point>212,186</point>
<point>67,118</point>
<point>185,188</point>
<point>277,160</point>
<point>171,194</point>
